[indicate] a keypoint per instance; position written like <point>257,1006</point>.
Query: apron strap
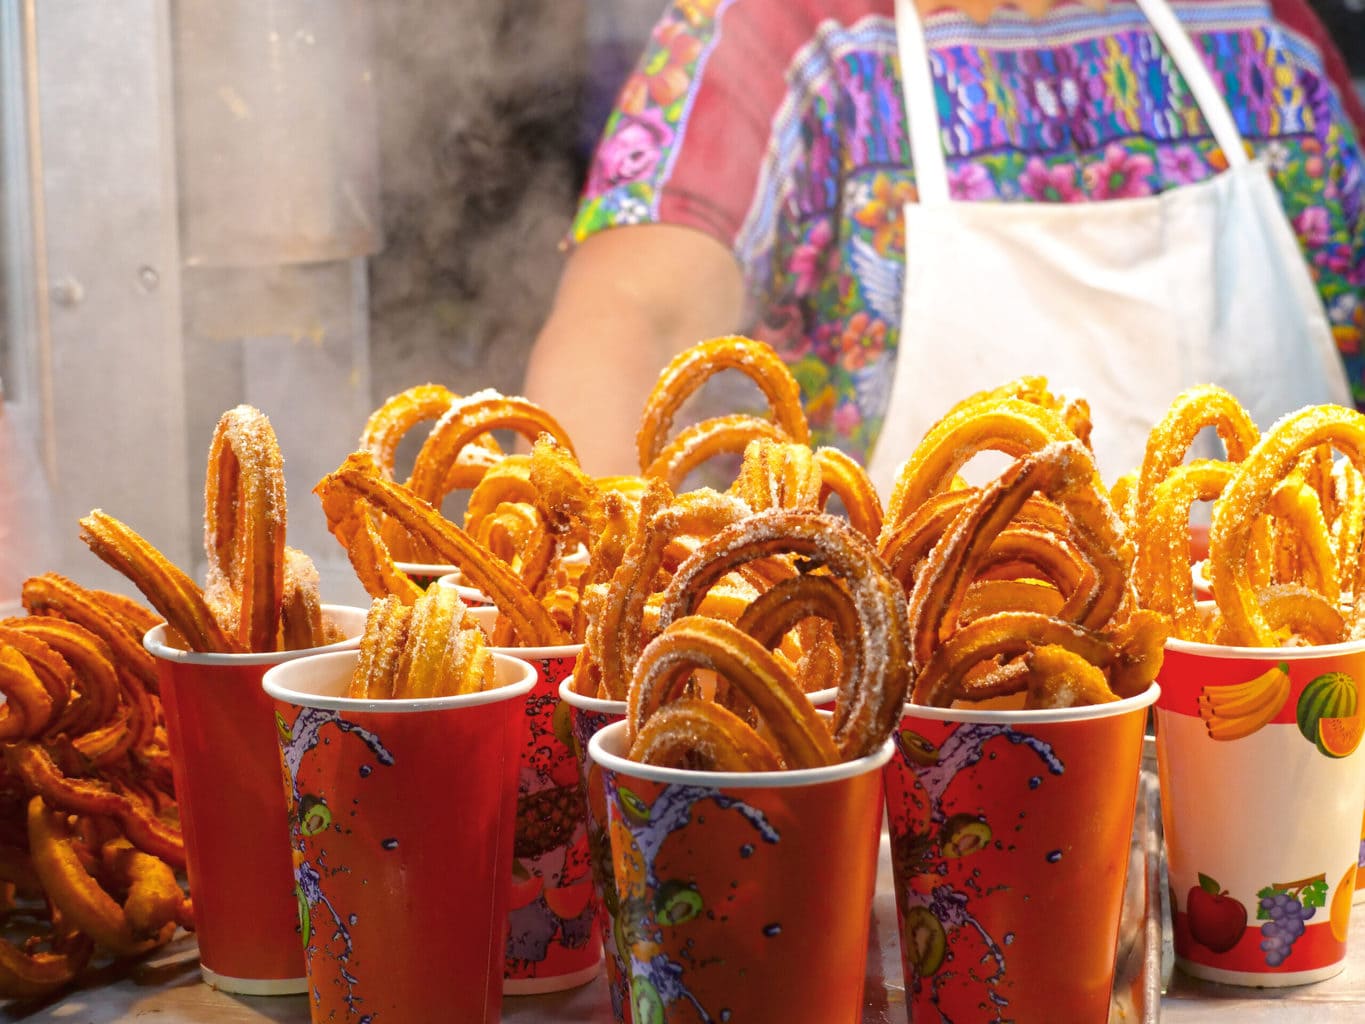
<point>921,110</point>
<point>924,128</point>
<point>1207,96</point>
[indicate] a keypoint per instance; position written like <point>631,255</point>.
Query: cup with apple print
<point>1262,784</point>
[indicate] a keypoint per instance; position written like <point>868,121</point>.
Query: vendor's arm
<point>630,299</point>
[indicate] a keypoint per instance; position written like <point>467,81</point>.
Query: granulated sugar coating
<point>691,369</point>
<point>1248,495</point>
<point>869,702</point>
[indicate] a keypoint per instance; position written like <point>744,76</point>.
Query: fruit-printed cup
<point>1262,784</point>
<point>553,941</point>
<point>1010,837</point>
<point>401,819</point>
<point>225,764</point>
<point>588,716</point>
<point>743,897</point>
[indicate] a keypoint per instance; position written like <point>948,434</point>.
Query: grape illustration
<point>1284,908</point>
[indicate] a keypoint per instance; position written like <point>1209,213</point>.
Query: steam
<point>478,123</point>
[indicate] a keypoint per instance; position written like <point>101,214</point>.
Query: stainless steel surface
<point>277,140</point>
<point>101,209</point>
<point>167,988</point>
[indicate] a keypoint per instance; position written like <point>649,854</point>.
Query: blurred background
<point>305,205</point>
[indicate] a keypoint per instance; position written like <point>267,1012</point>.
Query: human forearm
<point>630,300</point>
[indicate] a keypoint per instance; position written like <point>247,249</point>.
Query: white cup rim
<point>1037,716</point>
<point>455,581</point>
<point>731,780</point>
<point>600,705</point>
<point>1302,653</point>
<point>486,615</point>
<point>275,683</point>
<point>154,642</point>
<point>427,568</point>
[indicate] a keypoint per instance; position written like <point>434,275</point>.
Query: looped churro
<point>357,480</point>
<point>843,477</point>
<point>695,641</point>
<point>466,420</point>
<point>244,524</point>
<point>399,413</point>
<point>1204,406</point>
<point>690,369</point>
<point>701,442</point>
<point>1010,425</point>
<point>868,704</point>
<point>1248,496</point>
<point>1066,473</point>
<point>777,474</point>
<point>615,633</point>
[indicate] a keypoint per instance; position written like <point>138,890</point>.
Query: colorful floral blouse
<point>778,127</point>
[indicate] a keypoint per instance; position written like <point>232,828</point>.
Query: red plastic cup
<point>225,763</point>
<point>746,896</point>
<point>401,823</point>
<point>1261,807</point>
<point>1010,839</point>
<point>588,716</point>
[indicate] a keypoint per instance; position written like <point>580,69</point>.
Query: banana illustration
<point>1240,709</point>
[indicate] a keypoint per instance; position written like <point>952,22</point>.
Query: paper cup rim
<point>600,705</point>
<point>455,581</point>
<point>823,695</point>
<point>1036,716</point>
<point>154,642</point>
<point>525,653</point>
<point>273,686</point>
<point>427,568</point>
<point>1303,653</point>
<point>733,780</point>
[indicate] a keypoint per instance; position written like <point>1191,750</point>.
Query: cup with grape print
<point>1262,781</point>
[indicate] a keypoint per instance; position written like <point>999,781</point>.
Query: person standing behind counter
<point>1127,197</point>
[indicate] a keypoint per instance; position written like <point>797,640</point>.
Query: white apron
<point>1124,302</point>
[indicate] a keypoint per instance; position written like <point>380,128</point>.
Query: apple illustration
<point>1216,919</point>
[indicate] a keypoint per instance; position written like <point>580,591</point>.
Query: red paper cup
<point>588,716</point>
<point>225,763</point>
<point>471,597</point>
<point>743,897</point>
<point>1010,837</point>
<point>401,821</point>
<point>1263,822</point>
<point>552,941</point>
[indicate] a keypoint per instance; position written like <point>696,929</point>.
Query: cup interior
<point>608,748</point>
<point>471,596</point>
<point>351,621</point>
<point>321,682</point>
<point>1038,716</point>
<point>599,705</point>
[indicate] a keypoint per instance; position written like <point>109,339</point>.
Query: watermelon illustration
<point>1333,695</point>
